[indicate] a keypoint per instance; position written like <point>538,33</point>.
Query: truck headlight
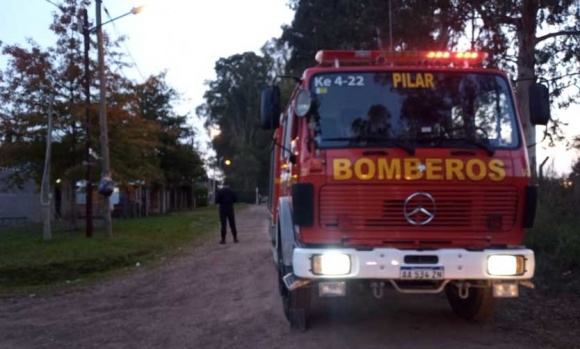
<point>505,265</point>
<point>331,264</point>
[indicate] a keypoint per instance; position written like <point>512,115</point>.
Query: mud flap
<point>295,299</point>
<point>292,282</point>
<point>297,318</point>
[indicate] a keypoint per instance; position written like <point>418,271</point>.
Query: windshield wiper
<point>382,140</point>
<point>479,144</point>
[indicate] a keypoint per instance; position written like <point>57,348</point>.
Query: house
<point>18,204</point>
<point>21,205</point>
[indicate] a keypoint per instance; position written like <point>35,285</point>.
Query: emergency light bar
<point>410,57</point>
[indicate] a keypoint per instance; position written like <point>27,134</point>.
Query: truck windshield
<point>419,108</point>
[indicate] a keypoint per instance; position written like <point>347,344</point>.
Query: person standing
<point>226,198</point>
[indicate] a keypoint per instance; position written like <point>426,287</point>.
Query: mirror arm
<point>546,133</point>
<point>295,78</point>
<point>292,157</point>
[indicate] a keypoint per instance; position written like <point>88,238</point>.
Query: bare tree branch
<point>560,33</point>
<point>563,76</point>
<point>503,19</point>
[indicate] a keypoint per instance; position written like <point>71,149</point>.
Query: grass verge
<point>27,261</point>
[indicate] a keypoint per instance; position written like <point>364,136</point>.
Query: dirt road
<point>225,296</point>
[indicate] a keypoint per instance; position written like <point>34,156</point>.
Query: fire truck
<point>405,171</point>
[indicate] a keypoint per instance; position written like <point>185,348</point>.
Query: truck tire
<point>479,305</point>
<point>296,303</point>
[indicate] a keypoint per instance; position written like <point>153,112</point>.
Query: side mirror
<point>539,97</point>
<point>270,108</point>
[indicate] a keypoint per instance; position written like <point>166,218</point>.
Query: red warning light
<point>456,55</point>
<point>400,57</point>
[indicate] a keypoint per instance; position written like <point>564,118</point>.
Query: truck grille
<point>458,208</point>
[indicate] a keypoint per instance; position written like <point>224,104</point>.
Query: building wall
<point>18,205</point>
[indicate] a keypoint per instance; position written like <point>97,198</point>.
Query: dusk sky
<point>187,37</point>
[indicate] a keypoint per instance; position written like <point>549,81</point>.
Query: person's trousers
<point>230,217</point>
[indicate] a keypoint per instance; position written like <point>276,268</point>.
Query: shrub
<point>555,237</point>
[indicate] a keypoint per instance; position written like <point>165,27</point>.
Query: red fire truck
<point>406,170</point>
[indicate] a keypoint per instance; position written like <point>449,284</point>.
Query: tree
<point>534,40</point>
<point>34,74</point>
<point>232,104</point>
<point>360,25</point>
<point>232,99</point>
<point>179,162</point>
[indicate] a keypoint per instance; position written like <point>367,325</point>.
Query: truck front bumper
<point>393,264</point>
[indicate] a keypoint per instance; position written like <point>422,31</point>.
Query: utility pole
<point>106,171</point>
<point>45,192</point>
<point>390,27</point>
<point>89,186</point>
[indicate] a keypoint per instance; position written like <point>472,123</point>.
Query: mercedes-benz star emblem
<point>419,208</point>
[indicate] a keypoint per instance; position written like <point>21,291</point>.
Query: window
<point>422,108</point>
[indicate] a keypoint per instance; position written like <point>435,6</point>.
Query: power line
<point>70,33</point>
<point>117,67</point>
<point>124,45</point>
<point>50,2</point>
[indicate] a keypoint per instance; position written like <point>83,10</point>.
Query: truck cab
<point>405,170</point>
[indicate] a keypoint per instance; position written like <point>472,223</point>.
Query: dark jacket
<point>226,198</point>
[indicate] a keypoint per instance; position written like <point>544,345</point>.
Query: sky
<point>183,37</point>
<point>186,38</point>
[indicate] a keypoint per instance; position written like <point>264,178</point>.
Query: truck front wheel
<point>296,303</point>
<point>479,304</point>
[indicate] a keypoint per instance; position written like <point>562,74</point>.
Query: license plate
<point>421,273</point>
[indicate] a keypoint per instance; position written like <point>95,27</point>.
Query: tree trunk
<point>193,198</point>
<point>147,198</point>
<point>174,198</point>
<point>164,196</point>
<point>527,75</point>
<point>71,194</point>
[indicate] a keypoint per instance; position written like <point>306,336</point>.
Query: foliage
<point>232,104</point>
<point>532,39</point>
<point>360,25</point>
<point>201,194</point>
<point>179,162</point>
<point>554,238</point>
<point>28,83</point>
<point>33,76</point>
<point>146,137</point>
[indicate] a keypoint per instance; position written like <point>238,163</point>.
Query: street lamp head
<point>227,162</point>
<point>137,10</point>
<point>134,11</point>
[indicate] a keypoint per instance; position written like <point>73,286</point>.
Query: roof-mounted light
<point>438,54</point>
<point>327,57</point>
<point>470,55</point>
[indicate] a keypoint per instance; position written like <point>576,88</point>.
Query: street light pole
<point>106,176</point>
<point>89,186</point>
<point>46,192</point>
<point>218,166</point>
<point>218,160</point>
<point>213,187</point>
<point>106,171</point>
